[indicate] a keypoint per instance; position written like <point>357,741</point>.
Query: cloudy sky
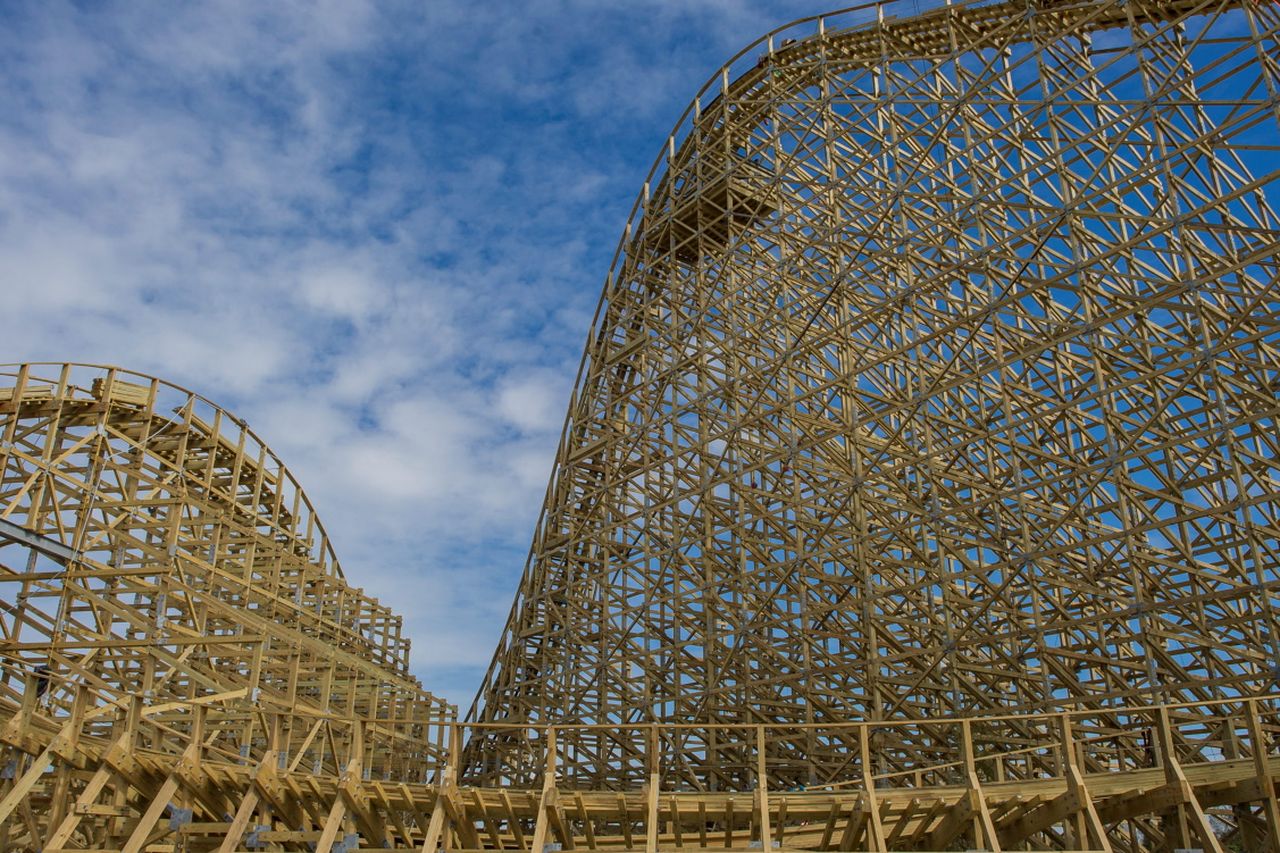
<point>376,231</point>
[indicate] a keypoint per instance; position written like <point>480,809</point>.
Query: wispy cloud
<point>377,231</point>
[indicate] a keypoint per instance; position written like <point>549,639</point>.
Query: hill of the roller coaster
<point>151,543</point>
<point>935,376</point>
<point>919,486</point>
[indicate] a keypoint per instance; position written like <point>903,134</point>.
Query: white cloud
<point>533,400</point>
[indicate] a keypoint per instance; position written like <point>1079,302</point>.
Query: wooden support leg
<point>549,795</point>
<point>27,781</point>
<point>875,829</point>
<point>89,795</point>
<point>332,825</point>
<point>984,830</point>
<point>651,815</point>
<point>652,793</point>
<point>1188,815</point>
<point>435,827</point>
<point>540,827</point>
<point>239,823</point>
<point>1262,772</point>
<point>762,791</point>
<point>853,827</point>
<point>142,831</point>
<point>1251,829</point>
<point>1089,830</point>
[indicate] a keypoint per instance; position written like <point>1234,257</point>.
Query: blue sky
<point>375,230</point>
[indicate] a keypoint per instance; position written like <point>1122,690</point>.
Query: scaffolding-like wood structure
<point>919,491</point>
<point>936,376</point>
<point>157,560</point>
<point>113,773</point>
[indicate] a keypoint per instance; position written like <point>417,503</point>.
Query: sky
<point>375,231</point>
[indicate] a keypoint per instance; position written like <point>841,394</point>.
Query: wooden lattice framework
<point>122,775</point>
<point>154,551</point>
<point>935,377</point>
<point>918,491</point>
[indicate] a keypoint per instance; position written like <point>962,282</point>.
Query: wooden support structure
<point>919,491</point>
<point>935,376</point>
<point>126,794</point>
<point>157,563</point>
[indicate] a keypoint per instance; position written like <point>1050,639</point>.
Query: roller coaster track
<point>919,490</point>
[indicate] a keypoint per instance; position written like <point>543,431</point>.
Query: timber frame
<point>935,377</point>
<point>919,491</point>
<point>113,773</point>
<point>157,560</point>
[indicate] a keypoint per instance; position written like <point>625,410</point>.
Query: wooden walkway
<point>107,776</point>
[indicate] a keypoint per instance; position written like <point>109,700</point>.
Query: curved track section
<point>154,553</point>
<point>935,386</point>
<point>936,377</point>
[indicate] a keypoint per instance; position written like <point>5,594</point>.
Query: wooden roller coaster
<point>919,491</point>
<point>118,774</point>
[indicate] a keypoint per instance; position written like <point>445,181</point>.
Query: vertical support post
<point>651,790</point>
<point>23,785</point>
<point>437,825</point>
<point>1076,821</point>
<point>1188,814</point>
<point>455,754</point>
<point>171,787</point>
<point>332,823</point>
<point>61,791</point>
<point>89,794</point>
<point>354,770</point>
<point>548,798</point>
<point>762,790</point>
<point>1085,822</point>
<point>1262,772</point>
<point>984,830</point>
<point>875,831</point>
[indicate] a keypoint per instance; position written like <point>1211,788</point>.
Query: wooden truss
<point>113,773</point>
<point>936,376</point>
<point>919,491</point>
<point>155,558</point>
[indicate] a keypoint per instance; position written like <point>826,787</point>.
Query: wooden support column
<point>249,802</point>
<point>984,830</point>
<point>1262,772</point>
<point>58,745</point>
<point>1090,833</point>
<point>121,746</point>
<point>343,803</point>
<point>159,802</point>
<point>244,812</point>
<point>351,789</point>
<point>875,829</point>
<point>548,799</point>
<point>462,826</point>
<point>853,826</point>
<point>762,790</point>
<point>1074,806</point>
<point>164,795</point>
<point>438,827</point>
<point>651,792</point>
<point>61,789</point>
<point>332,824</point>
<point>1188,813</point>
